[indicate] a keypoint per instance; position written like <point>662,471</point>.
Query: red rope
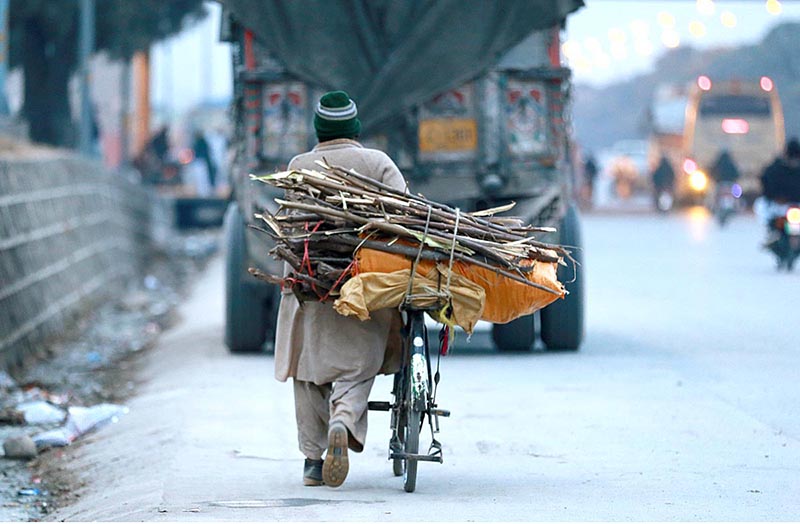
<point>306,259</point>
<point>290,280</point>
<point>350,265</point>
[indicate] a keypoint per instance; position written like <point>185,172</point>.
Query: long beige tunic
<point>313,342</point>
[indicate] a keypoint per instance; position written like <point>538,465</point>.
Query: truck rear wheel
<point>247,310</point>
<point>562,322</point>
<point>516,336</point>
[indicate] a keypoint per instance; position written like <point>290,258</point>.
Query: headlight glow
<point>793,215</point>
<point>698,180</point>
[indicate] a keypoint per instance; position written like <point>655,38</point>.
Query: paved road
<point>684,404</point>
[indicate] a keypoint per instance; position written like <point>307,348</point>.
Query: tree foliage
<point>44,42</point>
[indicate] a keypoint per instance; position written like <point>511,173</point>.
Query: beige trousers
<point>316,406</point>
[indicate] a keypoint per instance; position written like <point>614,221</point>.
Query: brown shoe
<point>334,470</point>
<point>312,472</point>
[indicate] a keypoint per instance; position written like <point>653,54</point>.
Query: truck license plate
<point>448,134</point>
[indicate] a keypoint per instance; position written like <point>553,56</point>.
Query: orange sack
<point>506,299</point>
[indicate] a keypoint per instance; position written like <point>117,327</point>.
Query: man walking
<point>332,359</point>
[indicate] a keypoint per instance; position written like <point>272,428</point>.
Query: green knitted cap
<point>336,117</point>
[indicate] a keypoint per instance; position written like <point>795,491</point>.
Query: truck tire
<point>246,311</point>
<point>562,322</point>
<point>515,336</point>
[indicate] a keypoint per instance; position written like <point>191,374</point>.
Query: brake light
<point>766,83</point>
<point>704,83</point>
<point>735,126</point>
<point>793,215</point>
<point>689,165</point>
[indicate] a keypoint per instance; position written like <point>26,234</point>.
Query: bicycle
<point>414,393</point>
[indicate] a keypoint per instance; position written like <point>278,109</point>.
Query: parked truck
<point>468,97</point>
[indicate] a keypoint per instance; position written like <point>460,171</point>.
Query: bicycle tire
<point>411,446</point>
<point>398,465</point>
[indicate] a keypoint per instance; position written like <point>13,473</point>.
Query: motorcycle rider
<point>724,170</point>
<point>781,179</point>
<point>780,185</point>
<point>725,174</point>
<point>663,179</point>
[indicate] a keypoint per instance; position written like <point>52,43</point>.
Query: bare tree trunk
<point>47,64</point>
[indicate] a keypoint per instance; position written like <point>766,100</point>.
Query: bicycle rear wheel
<point>411,446</point>
<point>398,465</point>
<point>416,396</point>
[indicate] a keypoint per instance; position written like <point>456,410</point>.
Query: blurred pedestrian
<point>202,152</point>
<point>589,177</point>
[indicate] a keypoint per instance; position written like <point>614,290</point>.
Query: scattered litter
<point>58,399</point>
<point>192,510</point>
<point>83,420</point>
<point>94,358</point>
<point>41,412</point>
<point>159,310</point>
<point>80,421</point>
<point>31,392</point>
<point>55,438</point>
<point>29,492</point>
<point>6,382</point>
<point>151,282</point>
<point>135,301</point>
<point>19,447</point>
<point>12,417</point>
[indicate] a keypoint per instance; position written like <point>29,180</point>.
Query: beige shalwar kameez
<point>334,359</point>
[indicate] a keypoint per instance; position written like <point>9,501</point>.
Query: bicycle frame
<point>413,402</point>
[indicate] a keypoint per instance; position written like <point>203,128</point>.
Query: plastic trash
<point>94,357</point>
<point>41,412</point>
<point>80,421</point>
<point>6,382</point>
<point>151,282</point>
<point>55,438</point>
<point>29,492</point>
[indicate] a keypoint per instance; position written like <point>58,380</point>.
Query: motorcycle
<point>785,236</point>
<point>664,199</point>
<point>726,202</point>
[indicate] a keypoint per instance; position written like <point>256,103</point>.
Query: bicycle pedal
<point>440,412</point>
<point>379,406</point>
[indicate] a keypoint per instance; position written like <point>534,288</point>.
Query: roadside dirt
<point>95,362</point>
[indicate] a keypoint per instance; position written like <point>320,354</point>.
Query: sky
<point>192,67</point>
<point>606,41</point>
<point>613,40</point>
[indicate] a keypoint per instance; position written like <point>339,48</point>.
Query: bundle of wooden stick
<point>327,215</point>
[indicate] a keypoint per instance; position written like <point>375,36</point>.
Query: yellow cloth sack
<point>506,299</point>
<point>371,291</point>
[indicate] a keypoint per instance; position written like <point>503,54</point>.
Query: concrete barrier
<point>71,234</point>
